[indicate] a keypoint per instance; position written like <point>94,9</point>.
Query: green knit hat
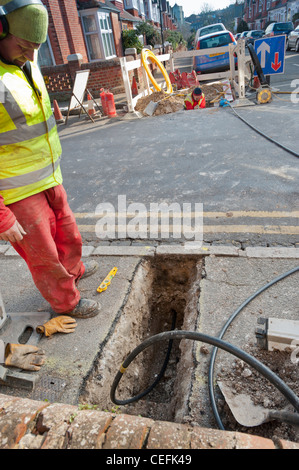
<point>29,22</point>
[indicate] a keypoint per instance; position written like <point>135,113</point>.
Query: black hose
<point>170,335</point>
<point>257,64</point>
<point>292,152</point>
<point>159,376</point>
<point>229,321</point>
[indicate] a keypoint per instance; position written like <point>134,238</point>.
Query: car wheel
<point>287,45</point>
<point>297,46</point>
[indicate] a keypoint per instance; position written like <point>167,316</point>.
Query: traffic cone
<point>91,110</point>
<point>134,87</point>
<point>57,113</point>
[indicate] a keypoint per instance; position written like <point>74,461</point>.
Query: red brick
<point>127,432</point>
<point>203,438</point>
<point>282,444</point>
<point>54,422</point>
<point>88,429</point>
<point>248,441</point>
<point>165,435</point>
<point>16,418</point>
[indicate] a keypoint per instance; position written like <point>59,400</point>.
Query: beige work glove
<point>24,356</point>
<point>61,324</point>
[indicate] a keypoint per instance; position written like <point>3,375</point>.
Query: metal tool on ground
<point>248,414</point>
<point>20,328</point>
<point>152,106</point>
<point>107,281</point>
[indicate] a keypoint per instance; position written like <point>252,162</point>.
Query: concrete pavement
<point>230,275</point>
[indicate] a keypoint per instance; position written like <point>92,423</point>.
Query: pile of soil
<point>175,102</point>
<point>242,378</point>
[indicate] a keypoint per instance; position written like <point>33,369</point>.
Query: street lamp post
<point>159,3</point>
<point>161,24</point>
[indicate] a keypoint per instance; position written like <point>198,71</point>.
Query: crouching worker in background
<point>195,100</point>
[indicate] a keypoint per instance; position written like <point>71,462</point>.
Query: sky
<point>195,6</point>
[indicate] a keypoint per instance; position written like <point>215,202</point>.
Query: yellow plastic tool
<point>107,281</point>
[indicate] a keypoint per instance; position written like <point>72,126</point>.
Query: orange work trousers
<point>52,247</point>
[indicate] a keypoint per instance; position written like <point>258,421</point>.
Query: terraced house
<point>259,13</point>
<point>88,34</point>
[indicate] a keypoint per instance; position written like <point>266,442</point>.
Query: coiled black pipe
<point>159,376</point>
<point>224,329</point>
<point>175,334</point>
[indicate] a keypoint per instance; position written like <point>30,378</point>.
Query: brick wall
<point>65,30</point>
<point>103,74</point>
<point>29,424</point>
<point>58,81</point>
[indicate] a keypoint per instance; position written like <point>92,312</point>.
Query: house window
<point>45,56</point>
<point>99,35</point>
<point>107,35</point>
<point>129,4</point>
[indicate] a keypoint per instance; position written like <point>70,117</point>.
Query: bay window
<point>98,35</point>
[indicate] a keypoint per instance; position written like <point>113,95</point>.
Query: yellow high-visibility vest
<point>30,148</point>
<point>190,99</point>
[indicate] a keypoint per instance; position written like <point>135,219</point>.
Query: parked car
<point>253,35</point>
<point>244,34</point>
<point>215,62</point>
<point>293,40</point>
<point>237,36</point>
<point>211,28</point>
<point>276,29</point>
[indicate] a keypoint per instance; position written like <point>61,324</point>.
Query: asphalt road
<point>248,186</point>
<point>291,72</point>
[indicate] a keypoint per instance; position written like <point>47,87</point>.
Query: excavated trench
<point>164,295</point>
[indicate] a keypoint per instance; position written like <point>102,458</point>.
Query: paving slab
<point>229,277</point>
<point>228,283</point>
<point>70,357</point>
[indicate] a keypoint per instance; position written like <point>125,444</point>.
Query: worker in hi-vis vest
<point>34,213</point>
<point>195,100</point>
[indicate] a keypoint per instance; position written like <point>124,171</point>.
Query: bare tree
<point>206,8</point>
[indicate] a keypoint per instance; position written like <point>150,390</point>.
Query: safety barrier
<point>126,67</point>
<point>237,77</point>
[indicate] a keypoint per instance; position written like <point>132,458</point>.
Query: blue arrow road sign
<point>271,54</point>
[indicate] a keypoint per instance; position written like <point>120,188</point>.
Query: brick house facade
<point>87,34</point>
<point>259,13</point>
